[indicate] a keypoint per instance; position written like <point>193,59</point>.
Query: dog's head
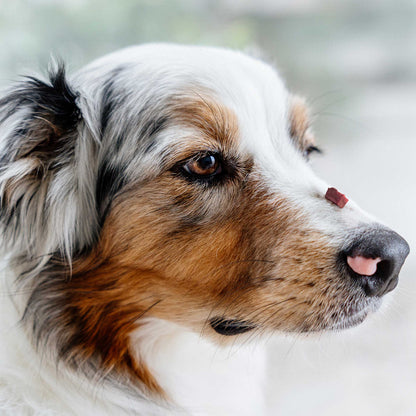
<point>173,182</point>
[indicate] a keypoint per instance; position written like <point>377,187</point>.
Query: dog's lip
<point>229,327</point>
<point>350,321</point>
<point>349,316</point>
<point>355,316</point>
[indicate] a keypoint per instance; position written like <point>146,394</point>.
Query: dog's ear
<point>48,114</point>
<point>40,129</point>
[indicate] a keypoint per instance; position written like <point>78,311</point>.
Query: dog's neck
<point>199,377</point>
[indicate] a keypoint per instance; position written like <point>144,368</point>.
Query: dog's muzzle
<point>374,260</point>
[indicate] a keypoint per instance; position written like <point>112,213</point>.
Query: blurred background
<point>355,62</point>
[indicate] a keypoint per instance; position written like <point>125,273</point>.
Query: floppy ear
<point>42,190</point>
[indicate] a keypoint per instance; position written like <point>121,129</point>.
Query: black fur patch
<point>109,100</point>
<point>153,127</point>
<point>53,113</point>
<point>110,180</point>
<point>44,116</point>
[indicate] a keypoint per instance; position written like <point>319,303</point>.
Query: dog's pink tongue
<point>363,266</point>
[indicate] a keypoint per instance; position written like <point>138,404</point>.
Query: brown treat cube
<point>336,197</point>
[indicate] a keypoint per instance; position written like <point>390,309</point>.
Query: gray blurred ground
<point>355,61</point>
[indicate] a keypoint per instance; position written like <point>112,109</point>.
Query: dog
<point>158,213</point>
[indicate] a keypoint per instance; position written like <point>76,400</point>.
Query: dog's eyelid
<point>193,156</point>
<point>312,149</point>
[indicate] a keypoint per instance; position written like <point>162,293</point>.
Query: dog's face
<point>191,200</point>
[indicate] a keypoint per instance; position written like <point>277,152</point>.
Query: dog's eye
<point>311,149</point>
<point>204,166</point>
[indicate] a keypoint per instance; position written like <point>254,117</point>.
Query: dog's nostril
<point>363,265</point>
<point>384,269</point>
<point>374,260</point>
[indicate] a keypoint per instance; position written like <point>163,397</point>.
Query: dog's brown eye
<point>204,166</point>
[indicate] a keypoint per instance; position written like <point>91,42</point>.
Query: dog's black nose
<point>374,260</point>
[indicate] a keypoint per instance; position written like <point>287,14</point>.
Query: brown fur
<point>300,129</point>
<point>174,251</point>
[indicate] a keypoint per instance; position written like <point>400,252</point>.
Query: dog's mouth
<point>350,321</point>
<point>357,315</point>
<point>347,317</point>
<point>229,327</point>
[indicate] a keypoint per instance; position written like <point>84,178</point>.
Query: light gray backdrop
<point>355,62</point>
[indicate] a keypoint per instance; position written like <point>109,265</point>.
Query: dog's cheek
<point>259,262</point>
<point>163,215</point>
<point>286,287</point>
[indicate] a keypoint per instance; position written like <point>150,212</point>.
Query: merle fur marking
<point>110,180</point>
<point>53,109</point>
<point>109,99</point>
<point>39,123</point>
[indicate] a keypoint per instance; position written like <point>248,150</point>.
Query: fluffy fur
<point>127,278</point>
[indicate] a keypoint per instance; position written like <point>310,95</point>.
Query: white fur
<point>202,378</point>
